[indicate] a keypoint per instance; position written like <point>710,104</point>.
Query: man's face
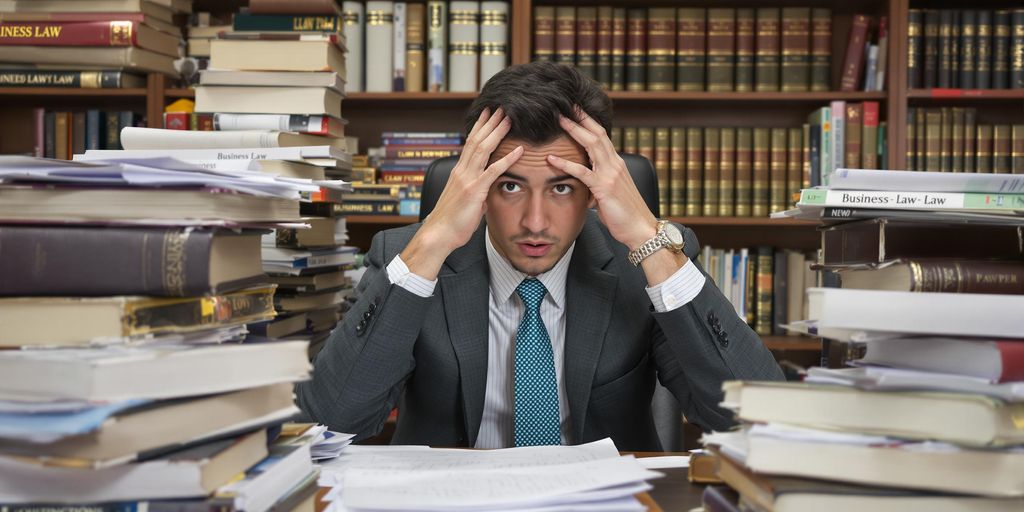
<point>535,211</point>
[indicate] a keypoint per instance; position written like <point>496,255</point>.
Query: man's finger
<point>573,169</point>
<point>487,146</point>
<point>594,127</point>
<point>499,166</point>
<point>481,129</point>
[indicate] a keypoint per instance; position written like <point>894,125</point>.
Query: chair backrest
<point>639,168</point>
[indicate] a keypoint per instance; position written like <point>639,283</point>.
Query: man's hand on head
<point>461,205</point>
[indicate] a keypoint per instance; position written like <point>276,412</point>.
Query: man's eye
<point>563,189</point>
<point>509,186</point>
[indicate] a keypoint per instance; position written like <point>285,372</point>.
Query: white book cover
<point>437,46</point>
<point>326,79</point>
<point>813,198</point>
<point>919,181</point>
<point>398,72</point>
<point>494,43</point>
<point>238,154</point>
<point>837,140</point>
<point>380,38</point>
<point>464,46</point>
<point>354,25</point>
<point>156,138</point>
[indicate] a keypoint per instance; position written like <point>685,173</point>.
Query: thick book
<point>762,287</point>
<point>909,181</point>
<point>721,53</point>
<point>437,46</point>
<point>880,240</point>
<point>727,173</point>
<point>173,262</point>
<point>288,22</point>
<point>619,24</point>
<point>947,275</point>
<point>744,171</point>
<point>147,7</point>
<point>794,164</point>
<point>269,100</point>
<point>947,46</point>
<point>80,16</point>
<point>796,49</point>
<point>712,172</point>
<point>398,47</point>
<point>130,58</point>
<point>277,55</point>
<point>690,48</point>
<point>930,61</point>
<point>661,49</point>
<point>415,48</point>
<point>544,33</point>
<point>586,41</point>
<point>69,79</point>
<point>760,192</point>
<point>821,49</point>
<point>463,46</point>
<point>1001,49</point>
<point>778,169</point>
<point>353,27</point>
<point>853,63</point>
<point>565,35</point>
<point>190,473</point>
<point>677,171</point>
<point>662,168</point>
<point>1002,149</point>
<point>133,138</point>
<point>604,46</point>
<point>1017,49</point>
<point>968,48</point>
<point>322,232</point>
<point>995,361</point>
<point>869,136</point>
<point>768,49</point>
<point>380,54</point>
<point>293,6</point>
<point>88,33</point>
<point>636,49</point>
<point>312,125</point>
<point>694,171</point>
<point>915,48</point>
<point>745,49</point>
<point>853,131</point>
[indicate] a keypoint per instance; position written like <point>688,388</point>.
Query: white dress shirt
<point>506,312</point>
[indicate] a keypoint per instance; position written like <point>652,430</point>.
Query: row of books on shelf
<point>950,139</point>
<point>923,419</point>
<point>708,49</point>
<point>61,134</point>
<point>747,172</point>
<point>965,48</point>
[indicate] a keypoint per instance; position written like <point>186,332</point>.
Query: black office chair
<point>437,176</point>
<point>668,416</point>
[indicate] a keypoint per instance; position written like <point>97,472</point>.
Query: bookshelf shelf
<point>798,343</point>
<point>180,93</point>
<point>409,96</point>
<point>56,92</point>
<point>790,97</point>
<point>967,94</point>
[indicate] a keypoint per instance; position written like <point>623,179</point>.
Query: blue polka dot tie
<point>536,389</point>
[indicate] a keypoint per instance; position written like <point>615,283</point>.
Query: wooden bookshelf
<point>794,343</point>
<point>77,93</point>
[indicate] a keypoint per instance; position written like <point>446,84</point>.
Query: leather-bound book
<point>915,48</point>
<point>744,171</point>
<point>869,137</point>
<point>768,47</point>
<point>415,46</point>
<point>931,48</point>
<point>616,137</point>
<point>1001,149</point>
<point>745,48</point>
<point>853,63</point>
<point>630,140</point>
<point>1017,149</point>
<point>957,116</point>
<point>945,139</point>
<point>712,161</point>
<point>586,41</point>
<point>911,139</point>
<point>852,146</point>
<point>1001,50</point>
<point>764,287</point>
<point>645,142</point>
<point>805,156</point>
<point>970,138</point>
<point>661,49</point>
<point>721,49</point>
<point>941,275</point>
<point>293,7</point>
<point>691,48</point>
<point>879,240</point>
<point>777,170</point>
<point>983,32</point>
<point>762,159</point>
<point>727,173</point>
<point>946,45</point>
<point>544,33</point>
<point>604,46</point>
<point>677,172</point>
<point>565,35</point>
<point>794,164</point>
<point>1017,49</point>
<point>618,49</point>
<point>821,49</point>
<point>983,153</point>
<point>354,19</point>
<point>636,49</point>
<point>796,48</point>
<point>968,48</point>
<point>694,171</point>
<point>662,155</point>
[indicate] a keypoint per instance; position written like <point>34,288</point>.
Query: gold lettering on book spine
<point>121,33</point>
<point>174,262</point>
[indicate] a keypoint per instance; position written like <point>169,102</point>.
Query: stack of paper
<point>591,476</point>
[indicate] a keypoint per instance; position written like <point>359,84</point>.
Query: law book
<point>745,49</point>
<point>302,302</point>
<point>968,48</point>
<point>937,275</point>
<point>957,139</point>
<point>1001,50</point>
<point>778,168</point>
<point>277,55</point>
<point>630,138</point>
<point>293,6</point>
<point>645,142</point>
<point>1017,149</point>
<point>662,154</point>
<point>946,44</point>
<point>399,21</point>
<point>1002,149</point>
<point>853,130</point>
<point>287,23</point>
<point>869,138</point>
<point>970,139</point>
<point>380,40</point>
<point>605,15</point>
<point>805,156</point>
<point>931,48</point>
<point>543,33</point>
<point>694,171</point>
<point>274,78</point>
<point>463,46</point>
<point>147,7</point>
<point>133,138</point>
<point>69,79</point>
<point>762,155</point>
<point>88,33</point>
<point>874,241</point>
<point>677,172</point>
<point>636,49</point>
<point>837,142</point>
<point>586,40</point>
<point>744,171</point>
<point>269,100</point>
<point>661,48</point>
<point>821,49</point>
<point>712,172</point>
<point>721,49</point>
<point>322,232</point>
<point>1017,49</point>
<point>565,35</point>
<point>983,47</point>
<point>437,46</point>
<point>172,262</point>
<point>915,48</point>
<point>983,160</point>
<point>619,24</point>
<point>727,173</point>
<point>932,146</point>
<point>690,48</point>
<point>129,58</point>
<point>796,48</point>
<point>768,49</point>
<point>615,135</point>
<point>1007,204</point>
<point>80,16</point>
<point>853,63</point>
<point>189,473</point>
<point>314,282</point>
<point>763,291</point>
<point>494,42</point>
<point>794,164</point>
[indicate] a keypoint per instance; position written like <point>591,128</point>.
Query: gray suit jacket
<point>428,356</point>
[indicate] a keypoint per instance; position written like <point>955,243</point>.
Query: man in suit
<point>547,322</point>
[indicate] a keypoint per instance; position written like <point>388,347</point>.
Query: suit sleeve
<point>359,375</point>
<point>704,343</point>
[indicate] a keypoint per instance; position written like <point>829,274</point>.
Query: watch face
<point>675,237</point>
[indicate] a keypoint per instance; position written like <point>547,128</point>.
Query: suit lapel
<point>465,295</point>
<point>590,293</point>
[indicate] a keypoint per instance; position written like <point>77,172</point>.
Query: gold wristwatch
<point>668,237</point>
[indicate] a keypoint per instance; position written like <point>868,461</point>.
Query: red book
<point>869,155</point>
<point>854,62</point>
<point>177,120</point>
<point>87,33</point>
<point>294,7</point>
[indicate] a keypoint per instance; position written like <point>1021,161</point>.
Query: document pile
<point>551,478</point>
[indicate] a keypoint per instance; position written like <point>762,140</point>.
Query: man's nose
<point>535,218</point>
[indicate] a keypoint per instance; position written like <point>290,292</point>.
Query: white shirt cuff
<point>399,274</point>
<point>678,290</point>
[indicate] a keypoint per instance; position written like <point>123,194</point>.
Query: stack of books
<point>928,418</point>
<point>89,43</point>
<point>965,48</point>
<point>127,287</point>
<point>437,46</point>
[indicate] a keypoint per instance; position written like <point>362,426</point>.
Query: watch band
<point>649,247</point>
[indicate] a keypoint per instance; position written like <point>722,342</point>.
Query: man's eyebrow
<point>554,179</point>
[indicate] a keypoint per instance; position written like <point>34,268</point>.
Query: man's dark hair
<point>532,95</point>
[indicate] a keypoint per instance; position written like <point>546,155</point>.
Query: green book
<point>247,22</point>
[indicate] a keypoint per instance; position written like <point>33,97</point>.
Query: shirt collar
<point>505,278</point>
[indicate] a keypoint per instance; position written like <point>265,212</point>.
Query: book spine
<point>983,47</point>
<point>393,176</point>
<point>796,48</point>
<point>970,140</point>
<point>565,35</point>
<point>915,47</point>
<point>63,79</point>
<point>780,292</point>
<point>1001,50</point>
<point>694,171</point>
<point>983,154</point>
<point>662,159</point>
<point>958,276</point>
<point>380,22</point>
<point>615,135</point>
<point>763,286</point>
<point>968,48</point>
<point>636,49</point>
<point>493,39</point>
<point>837,139</point>
<point>398,46</point>
<point>1017,49</point>
<point>661,49</point>
<point>821,49</point>
<point>353,25</point>
<point>721,53</point>
<point>815,128</point>
<point>544,33</point>
<point>619,24</point>
<point>93,129</point>
<point>369,207</point>
<point>154,317</point>
<point>586,41</point>
<point>712,174</point>
<point>78,133</point>
<point>677,172</point>
<point>912,200</point>
<point>762,165</point>
<point>1017,149</point>
<point>1001,149</point>
<point>958,119</point>
<point>690,48</point>
<point>777,169</point>
<point>945,139</point>
<point>437,46</point>
<point>419,152</point>
<point>911,140</point>
<point>854,61</point>
<point>883,54</point>
<point>463,46</point>
<point>794,165</point>
<point>39,132</point>
<point>91,33</point>
<point>604,46</point>
<point>292,6</point>
<point>931,48</point>
<point>645,143</point>
<point>805,157</point>
<point>415,59</point>
<point>870,67</point>
<point>768,47</point>
<point>853,131</point>
<point>62,134</point>
<point>409,141</point>
<point>946,44</point>
<point>727,173</point>
<point>744,171</point>
<point>869,138</point>
<point>745,49</point>
<point>630,140</point>
<point>954,49</point>
<point>251,22</point>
